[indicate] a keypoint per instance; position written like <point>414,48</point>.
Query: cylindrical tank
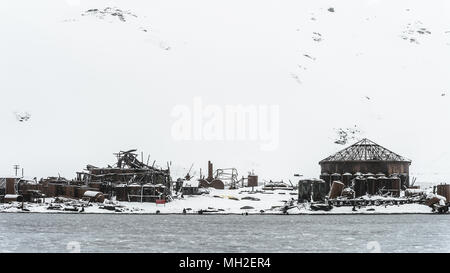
<point>336,177</point>
<point>382,184</point>
<point>327,178</point>
<point>121,193</point>
<point>336,189</point>
<point>202,183</point>
<point>319,192</point>
<point>395,186</point>
<point>304,191</point>
<point>10,186</point>
<point>217,184</point>
<point>444,190</point>
<point>252,181</point>
<point>347,179</point>
<point>360,186</point>
<point>389,183</point>
<point>371,185</point>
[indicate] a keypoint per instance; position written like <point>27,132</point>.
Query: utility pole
<point>16,168</point>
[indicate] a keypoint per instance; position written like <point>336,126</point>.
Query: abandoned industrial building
<point>362,168</point>
<point>360,174</point>
<point>369,166</point>
<point>129,179</point>
<point>367,158</point>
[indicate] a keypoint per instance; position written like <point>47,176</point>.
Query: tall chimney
<point>210,171</point>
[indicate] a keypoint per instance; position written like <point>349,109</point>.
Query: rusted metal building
<point>361,161</point>
<point>129,179</point>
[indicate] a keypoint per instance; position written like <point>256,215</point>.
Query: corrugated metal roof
<point>365,150</point>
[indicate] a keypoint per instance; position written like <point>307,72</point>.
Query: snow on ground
<point>225,202</point>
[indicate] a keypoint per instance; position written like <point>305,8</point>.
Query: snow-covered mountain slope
<point>101,76</point>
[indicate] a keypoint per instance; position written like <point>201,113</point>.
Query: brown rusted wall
<point>352,167</point>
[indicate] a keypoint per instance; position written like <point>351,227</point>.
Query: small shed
<point>190,188</point>
<point>94,196</point>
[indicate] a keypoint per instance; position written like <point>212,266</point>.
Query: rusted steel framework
<point>365,150</point>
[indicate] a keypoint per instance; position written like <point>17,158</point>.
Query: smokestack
<point>210,171</point>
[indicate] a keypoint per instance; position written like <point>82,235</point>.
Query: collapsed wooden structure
<point>129,179</point>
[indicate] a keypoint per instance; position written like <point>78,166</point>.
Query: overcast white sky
<point>94,87</point>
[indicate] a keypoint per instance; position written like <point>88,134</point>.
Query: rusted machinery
<point>221,178</point>
<point>94,196</point>
<point>211,181</point>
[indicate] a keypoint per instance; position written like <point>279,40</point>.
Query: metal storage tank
<point>327,178</point>
<point>395,186</point>
<point>360,186</point>
<point>121,192</point>
<point>389,183</point>
<point>252,181</point>
<point>203,183</point>
<point>304,191</point>
<point>371,185</point>
<point>336,177</point>
<point>319,190</point>
<point>10,186</point>
<point>380,183</point>
<point>217,184</point>
<point>366,156</point>
<point>444,190</point>
<point>347,179</point>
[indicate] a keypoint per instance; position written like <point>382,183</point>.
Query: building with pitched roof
<point>366,158</point>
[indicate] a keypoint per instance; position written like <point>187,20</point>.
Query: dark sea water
<point>223,233</point>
